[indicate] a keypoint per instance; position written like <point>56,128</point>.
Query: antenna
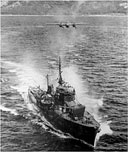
<point>60,77</point>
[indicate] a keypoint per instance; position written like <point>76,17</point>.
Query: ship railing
<point>63,108</point>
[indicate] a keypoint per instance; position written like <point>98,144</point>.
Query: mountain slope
<point>63,7</point>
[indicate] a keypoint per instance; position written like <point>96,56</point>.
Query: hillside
<point>63,7</point>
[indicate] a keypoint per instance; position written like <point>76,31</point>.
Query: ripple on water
<point>97,62</point>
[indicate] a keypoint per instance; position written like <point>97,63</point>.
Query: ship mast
<point>60,77</point>
<point>47,80</point>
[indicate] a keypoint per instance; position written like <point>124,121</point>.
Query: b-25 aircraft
<point>66,25</point>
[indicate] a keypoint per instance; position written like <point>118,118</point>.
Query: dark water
<point>94,61</point>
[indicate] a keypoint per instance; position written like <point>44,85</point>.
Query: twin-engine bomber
<point>66,24</point>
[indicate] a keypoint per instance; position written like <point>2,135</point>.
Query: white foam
<point>12,111</point>
<point>26,76</point>
<point>105,129</point>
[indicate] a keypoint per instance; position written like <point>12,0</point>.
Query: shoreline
<point>87,15</point>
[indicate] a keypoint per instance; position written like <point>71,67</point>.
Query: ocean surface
<point>94,62</point>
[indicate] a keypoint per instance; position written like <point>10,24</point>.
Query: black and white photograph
<point>64,71</point>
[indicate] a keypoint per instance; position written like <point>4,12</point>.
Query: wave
<point>12,111</point>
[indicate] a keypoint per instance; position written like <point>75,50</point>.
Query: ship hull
<point>79,131</point>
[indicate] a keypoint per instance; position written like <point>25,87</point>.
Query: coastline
<point>86,15</point>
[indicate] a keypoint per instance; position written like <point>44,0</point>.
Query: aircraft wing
<point>80,23</point>
<point>52,24</point>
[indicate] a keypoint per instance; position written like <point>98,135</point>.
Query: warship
<point>63,111</point>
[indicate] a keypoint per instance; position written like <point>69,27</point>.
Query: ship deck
<point>87,120</point>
